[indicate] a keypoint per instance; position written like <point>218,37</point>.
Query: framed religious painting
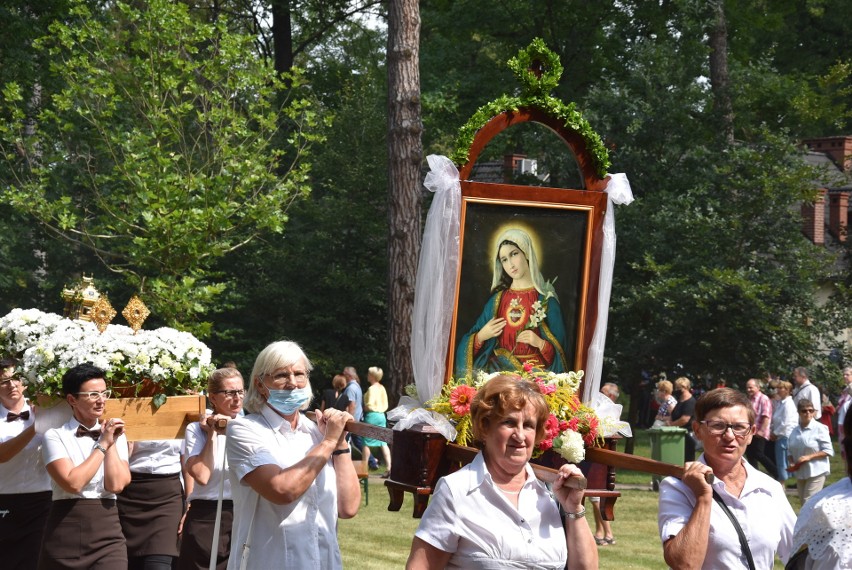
<point>527,283</point>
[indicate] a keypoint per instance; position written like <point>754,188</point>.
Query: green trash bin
<point>667,445</point>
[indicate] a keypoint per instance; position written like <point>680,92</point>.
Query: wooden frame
<point>568,224</point>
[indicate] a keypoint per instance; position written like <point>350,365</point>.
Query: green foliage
<point>169,146</point>
<point>535,95</point>
<point>323,281</point>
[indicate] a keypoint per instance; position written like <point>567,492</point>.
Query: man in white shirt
<point>804,389</point>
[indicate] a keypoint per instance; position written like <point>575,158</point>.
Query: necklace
<point>518,492</point>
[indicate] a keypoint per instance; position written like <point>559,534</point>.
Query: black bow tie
<point>93,433</point>
<point>11,416</point>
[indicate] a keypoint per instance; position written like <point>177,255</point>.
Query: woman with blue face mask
<point>290,478</point>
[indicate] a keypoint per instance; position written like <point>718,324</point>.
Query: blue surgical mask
<point>288,402</point>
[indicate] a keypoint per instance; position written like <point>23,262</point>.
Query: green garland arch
<point>535,94</point>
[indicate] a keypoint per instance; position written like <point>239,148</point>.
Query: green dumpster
<point>667,445</point>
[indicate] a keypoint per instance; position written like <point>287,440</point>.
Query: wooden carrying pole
<point>608,457</point>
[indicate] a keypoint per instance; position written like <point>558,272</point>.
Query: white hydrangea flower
<point>569,444</point>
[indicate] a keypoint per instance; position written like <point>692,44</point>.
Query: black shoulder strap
<point>743,542</point>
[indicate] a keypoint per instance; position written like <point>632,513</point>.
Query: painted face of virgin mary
<point>514,261</point>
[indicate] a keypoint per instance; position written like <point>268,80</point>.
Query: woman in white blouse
<point>205,459</point>
<point>494,513</point>
<point>87,462</point>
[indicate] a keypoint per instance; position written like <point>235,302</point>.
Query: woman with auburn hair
<point>494,513</point>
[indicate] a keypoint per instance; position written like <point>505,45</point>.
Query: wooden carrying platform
<point>144,422</point>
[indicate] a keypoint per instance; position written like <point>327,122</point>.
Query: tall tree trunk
<point>405,154</point>
<point>718,41</point>
<point>282,35</point>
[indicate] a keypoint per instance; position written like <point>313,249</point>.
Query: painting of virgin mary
<point>521,323</point>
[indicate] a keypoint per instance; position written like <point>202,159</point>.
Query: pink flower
<point>545,388</point>
<point>551,427</point>
<point>573,424</point>
<point>461,398</point>
<point>528,367</point>
<point>545,444</point>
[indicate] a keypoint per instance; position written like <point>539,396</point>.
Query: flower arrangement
<point>570,428</point>
<point>48,345</point>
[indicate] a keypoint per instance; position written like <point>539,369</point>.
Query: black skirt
<point>198,536</point>
<point>150,508</point>
<point>22,520</point>
<point>83,534</point>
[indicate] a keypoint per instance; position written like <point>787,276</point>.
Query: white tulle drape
<point>433,297</point>
<point>618,192</point>
<point>435,293</point>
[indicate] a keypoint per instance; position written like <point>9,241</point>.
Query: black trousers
<point>756,453</point>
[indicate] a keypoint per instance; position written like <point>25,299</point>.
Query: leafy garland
<point>535,94</point>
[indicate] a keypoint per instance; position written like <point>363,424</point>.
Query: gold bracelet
<point>578,515</point>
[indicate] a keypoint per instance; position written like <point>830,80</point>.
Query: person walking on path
<point>603,528</point>
<point>843,406</point>
<point>808,452</point>
<point>756,450</point>
<point>784,420</point>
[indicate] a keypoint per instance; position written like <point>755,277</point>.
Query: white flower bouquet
<point>47,344</point>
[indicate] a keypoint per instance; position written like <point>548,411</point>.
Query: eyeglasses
<point>232,393</point>
<point>298,377</point>
<point>807,411</point>
<point>739,429</point>
<point>8,381</point>
<point>94,396</point>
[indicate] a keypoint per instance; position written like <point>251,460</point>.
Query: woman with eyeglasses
<point>87,460</point>
<point>296,477</point>
<point>693,519</point>
<point>808,450</point>
<point>821,537</point>
<point>204,452</point>
<point>25,495</point>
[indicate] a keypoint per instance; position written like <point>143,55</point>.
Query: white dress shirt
<point>62,442</point>
<point>302,534</point>
<point>469,517</point>
<point>811,392</point>
<point>194,442</point>
<point>156,457</point>
<point>762,509</point>
<point>23,473</point>
<point>784,417</point>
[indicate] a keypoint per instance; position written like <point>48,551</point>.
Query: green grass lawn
<point>378,539</point>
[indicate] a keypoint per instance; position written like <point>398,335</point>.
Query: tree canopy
<point>165,148</point>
